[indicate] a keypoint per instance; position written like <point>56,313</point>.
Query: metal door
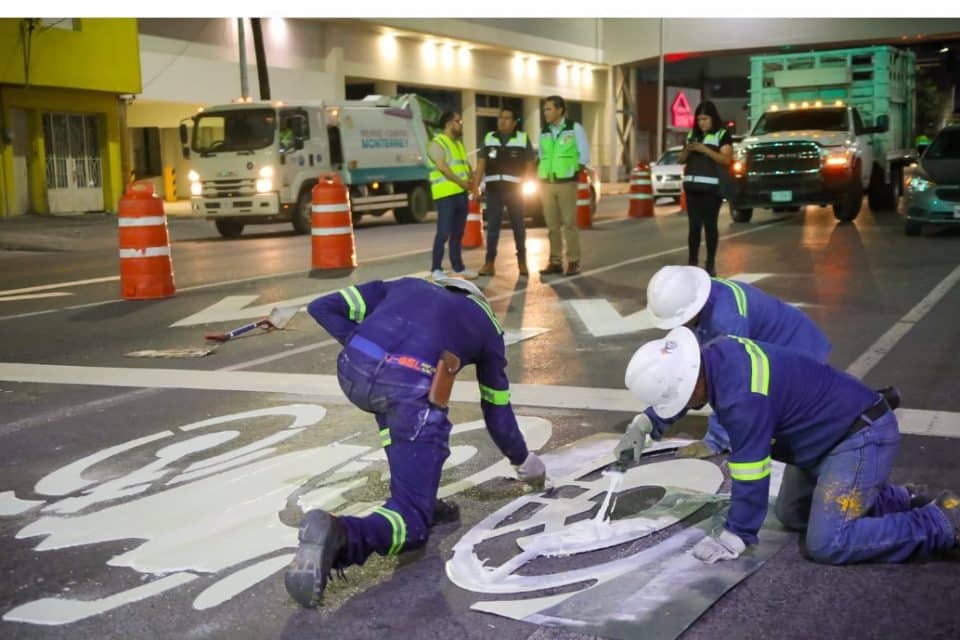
<point>74,179</point>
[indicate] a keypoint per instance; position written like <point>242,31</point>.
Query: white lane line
<point>912,421</point>
<point>869,359</point>
<point>58,285</point>
<point>34,296</point>
<point>398,255</point>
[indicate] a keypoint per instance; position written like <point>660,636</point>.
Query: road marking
<point>35,296</point>
<point>912,421</point>
<point>885,344</point>
<point>59,285</point>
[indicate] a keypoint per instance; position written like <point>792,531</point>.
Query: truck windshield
<point>945,146</point>
<point>240,130</point>
<point>807,119</point>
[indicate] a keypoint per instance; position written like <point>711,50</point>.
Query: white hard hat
<point>676,294</point>
<point>461,284</point>
<point>663,373</point>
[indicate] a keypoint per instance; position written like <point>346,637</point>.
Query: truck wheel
<point>229,228</point>
<point>418,206</point>
<point>849,208</point>
<point>741,215</point>
<point>882,196</point>
<point>302,215</point>
<point>912,227</point>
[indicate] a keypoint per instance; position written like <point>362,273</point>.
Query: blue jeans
<point>507,196</point>
<point>419,434</point>
<point>849,509</point>
<point>451,221</point>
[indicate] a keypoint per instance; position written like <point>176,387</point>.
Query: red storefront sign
<point>681,116</point>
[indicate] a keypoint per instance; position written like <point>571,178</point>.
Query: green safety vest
<point>456,156</point>
<point>559,157</point>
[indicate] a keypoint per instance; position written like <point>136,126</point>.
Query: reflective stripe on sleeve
<point>358,308</point>
<point>747,471</point>
<point>759,366</point>
<point>495,396</point>
<point>385,440</point>
<point>486,309</point>
<point>738,294</point>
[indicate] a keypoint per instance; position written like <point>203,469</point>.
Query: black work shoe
<point>551,268</point>
<point>573,268</point>
<point>322,537</point>
<point>891,395</point>
<point>949,503</point>
<point>919,495</point>
<point>445,512</point>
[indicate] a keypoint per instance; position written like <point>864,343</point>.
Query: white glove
<point>532,471</point>
<point>726,546</point>
<point>635,437</point>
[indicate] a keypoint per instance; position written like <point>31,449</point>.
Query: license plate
<point>956,211</point>
<point>781,196</point>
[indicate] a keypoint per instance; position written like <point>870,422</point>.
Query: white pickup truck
<point>257,162</point>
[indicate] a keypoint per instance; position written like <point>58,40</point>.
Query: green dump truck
<point>827,127</point>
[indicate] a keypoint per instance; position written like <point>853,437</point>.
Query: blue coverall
<point>778,403</point>
<point>738,309</point>
<point>393,335</point>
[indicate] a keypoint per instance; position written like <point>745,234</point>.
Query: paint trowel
<point>278,319</point>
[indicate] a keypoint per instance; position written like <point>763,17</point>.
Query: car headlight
<point>919,185</point>
<point>266,172</point>
<point>264,185</point>
<point>196,188</point>
<point>193,176</point>
<point>529,187</point>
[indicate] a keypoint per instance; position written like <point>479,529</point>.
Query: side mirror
<point>186,153</point>
<point>882,124</point>
<point>185,150</point>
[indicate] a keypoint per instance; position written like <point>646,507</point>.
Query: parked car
<point>531,198</point>
<point>667,174</point>
<point>932,191</point>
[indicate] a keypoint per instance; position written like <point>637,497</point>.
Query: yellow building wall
<point>102,55</point>
<point>36,101</point>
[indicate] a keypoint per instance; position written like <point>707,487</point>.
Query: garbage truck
<point>827,127</point>
<point>256,162</point>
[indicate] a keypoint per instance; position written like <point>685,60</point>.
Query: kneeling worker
<point>404,342</point>
<point>838,436</point>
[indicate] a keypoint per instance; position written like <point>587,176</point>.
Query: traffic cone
<point>473,232</point>
<point>146,267</point>
<point>584,215</point>
<point>331,237</point>
<point>641,192</point>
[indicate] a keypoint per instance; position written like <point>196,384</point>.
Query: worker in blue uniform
<point>404,341</point>
<point>841,437</point>
<point>713,307</point>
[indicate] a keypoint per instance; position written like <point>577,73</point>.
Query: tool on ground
<point>278,319</point>
<point>632,444</point>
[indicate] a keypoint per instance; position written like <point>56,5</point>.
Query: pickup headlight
<point>919,185</point>
<point>835,158</point>
<point>529,188</point>
<point>196,188</point>
<point>266,172</point>
<point>193,176</point>
<point>264,185</point>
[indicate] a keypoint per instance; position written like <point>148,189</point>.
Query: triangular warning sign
<point>681,116</point>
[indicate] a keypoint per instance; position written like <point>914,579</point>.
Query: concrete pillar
<point>468,99</point>
<point>333,62</point>
<point>531,118</point>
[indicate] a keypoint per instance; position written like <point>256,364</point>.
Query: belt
<point>377,352</point>
<point>559,180</point>
<point>868,417</point>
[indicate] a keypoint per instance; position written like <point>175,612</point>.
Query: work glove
<point>532,471</point>
<point>634,440</point>
<point>726,546</point>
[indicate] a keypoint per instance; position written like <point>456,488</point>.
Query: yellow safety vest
<point>456,156</point>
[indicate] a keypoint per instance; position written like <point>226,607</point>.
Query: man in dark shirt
<point>504,161</point>
<point>397,335</point>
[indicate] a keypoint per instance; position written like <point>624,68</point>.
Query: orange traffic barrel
<point>641,192</point>
<point>146,268</point>
<point>584,217</point>
<point>683,200</point>
<point>473,232</point>
<point>332,238</point>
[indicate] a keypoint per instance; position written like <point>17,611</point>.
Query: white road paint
<point>35,296</point>
<point>211,523</point>
<point>885,343</point>
<point>59,285</point>
<point>11,505</point>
